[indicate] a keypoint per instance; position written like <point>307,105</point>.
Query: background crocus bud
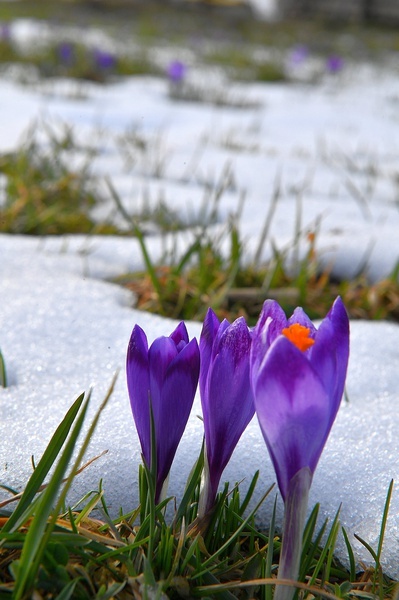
<point>226,396</point>
<point>298,377</point>
<point>165,377</point>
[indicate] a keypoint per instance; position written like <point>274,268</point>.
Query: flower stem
<point>295,508</point>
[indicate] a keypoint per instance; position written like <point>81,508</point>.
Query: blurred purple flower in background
<point>298,55</point>
<point>5,32</point>
<point>176,71</point>
<point>226,396</point>
<point>163,378</point>
<point>334,63</point>
<point>104,60</point>
<point>66,53</point>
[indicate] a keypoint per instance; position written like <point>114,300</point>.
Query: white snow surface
<point>64,328</point>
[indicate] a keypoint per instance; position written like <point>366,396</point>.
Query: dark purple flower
<point>104,60</point>
<point>66,53</point>
<point>334,63</point>
<point>226,396</point>
<point>165,377</point>
<point>176,71</point>
<point>298,376</point>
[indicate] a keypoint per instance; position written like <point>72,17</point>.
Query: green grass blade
<point>269,217</point>
<point>248,495</point>
<point>41,528</point>
<point>326,555</point>
<point>268,592</point>
<point>140,238</point>
<point>33,546</point>
<point>368,547</point>
<point>384,521</point>
<point>351,556</point>
<point>192,250</point>
<point>235,534</point>
<point>192,482</point>
<point>68,591</point>
<point>3,372</point>
<point>45,464</point>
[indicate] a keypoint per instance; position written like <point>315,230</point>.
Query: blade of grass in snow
<point>377,554</point>
<point>3,372</point>
<point>270,550</point>
<point>351,556</point>
<point>193,481</point>
<point>140,237</point>
<point>44,465</point>
<point>46,515</point>
<point>33,547</point>
<point>268,221</point>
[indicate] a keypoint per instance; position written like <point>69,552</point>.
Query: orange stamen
<point>299,335</point>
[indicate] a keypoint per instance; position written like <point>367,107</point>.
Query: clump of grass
<point>181,286</point>
<point>242,64</point>
<point>41,193</point>
<point>76,60</point>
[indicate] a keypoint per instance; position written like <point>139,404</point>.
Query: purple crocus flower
<point>298,54</point>
<point>104,60</point>
<point>5,32</point>
<point>298,376</point>
<point>226,396</point>
<point>334,63</point>
<point>163,377</point>
<point>66,53</point>
<point>176,71</point>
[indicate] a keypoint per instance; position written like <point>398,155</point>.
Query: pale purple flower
<point>162,378</point>
<point>176,71</point>
<point>226,396</point>
<point>334,63</point>
<point>298,376</point>
<point>298,54</point>
<point>5,32</point>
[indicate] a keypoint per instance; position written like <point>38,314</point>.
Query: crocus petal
<point>299,316</point>
<point>138,382</point>
<point>330,353</point>
<point>177,398</point>
<point>208,334</point>
<point>271,321</point>
<point>228,402</point>
<point>180,335</point>
<point>293,409</point>
<point>161,353</point>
